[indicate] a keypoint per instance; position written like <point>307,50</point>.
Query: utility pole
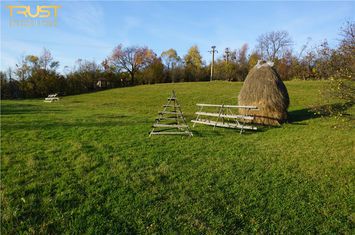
<point>212,63</point>
<point>227,53</point>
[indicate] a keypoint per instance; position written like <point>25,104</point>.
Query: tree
<point>10,88</point>
<point>272,45</point>
<point>46,59</point>
<point>253,59</point>
<point>193,57</point>
<point>322,65</point>
<point>346,51</point>
<point>242,55</point>
<point>38,75</point>
<point>342,61</point>
<point>154,72</point>
<point>131,59</point>
<point>242,63</point>
<point>171,60</point>
<point>84,76</point>
<point>347,43</point>
<point>233,65</point>
<point>303,66</point>
<point>338,65</point>
<point>229,55</point>
<point>4,85</point>
<point>193,63</point>
<point>226,70</point>
<point>284,65</point>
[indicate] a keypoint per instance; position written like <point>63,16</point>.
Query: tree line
<point>38,75</point>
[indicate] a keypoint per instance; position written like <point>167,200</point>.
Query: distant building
<point>102,83</point>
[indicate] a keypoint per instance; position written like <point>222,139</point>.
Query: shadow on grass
<point>49,125</point>
<point>12,109</point>
<point>111,116</point>
<point>205,133</point>
<point>316,112</point>
<point>301,115</point>
<point>217,131</point>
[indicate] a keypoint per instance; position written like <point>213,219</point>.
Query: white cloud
<point>130,22</point>
<point>84,17</point>
<point>7,61</point>
<point>12,51</point>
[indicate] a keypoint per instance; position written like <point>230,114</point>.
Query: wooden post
<point>212,63</point>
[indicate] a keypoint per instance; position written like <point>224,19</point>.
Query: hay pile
<point>263,88</point>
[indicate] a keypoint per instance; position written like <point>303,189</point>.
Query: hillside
<point>86,164</point>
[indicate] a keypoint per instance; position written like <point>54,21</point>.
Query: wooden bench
<point>51,98</point>
<point>225,117</point>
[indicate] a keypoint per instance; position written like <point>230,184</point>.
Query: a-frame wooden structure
<point>171,120</point>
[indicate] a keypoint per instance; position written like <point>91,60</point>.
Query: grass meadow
<point>85,164</point>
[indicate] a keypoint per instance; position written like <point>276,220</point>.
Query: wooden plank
<point>225,124</point>
<point>170,105</point>
<point>227,106</point>
<point>169,112</point>
<point>167,118</point>
<point>209,105</point>
<point>170,125</point>
<point>225,115</point>
<point>241,106</point>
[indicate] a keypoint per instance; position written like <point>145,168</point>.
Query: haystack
<point>263,88</point>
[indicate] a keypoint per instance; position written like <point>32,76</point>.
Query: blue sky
<point>91,29</point>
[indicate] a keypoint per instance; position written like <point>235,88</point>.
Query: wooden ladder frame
<point>225,113</point>
<point>180,121</point>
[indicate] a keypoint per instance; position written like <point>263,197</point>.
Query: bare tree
<point>242,55</point>
<point>273,44</point>
<point>131,59</point>
<point>347,43</point>
<point>45,59</point>
<point>304,48</point>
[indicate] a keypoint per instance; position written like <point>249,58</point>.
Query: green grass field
<point>86,164</point>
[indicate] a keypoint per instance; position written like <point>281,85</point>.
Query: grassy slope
<point>86,163</point>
